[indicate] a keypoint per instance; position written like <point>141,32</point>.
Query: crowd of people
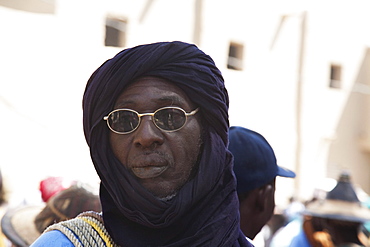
<point>172,172</point>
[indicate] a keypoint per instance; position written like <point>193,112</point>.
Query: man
<point>255,168</point>
<point>337,220</point>
<point>156,121</point>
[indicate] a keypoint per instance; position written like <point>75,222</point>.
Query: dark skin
<point>256,209</point>
<point>161,161</point>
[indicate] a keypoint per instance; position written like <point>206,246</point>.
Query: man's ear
<point>263,196</point>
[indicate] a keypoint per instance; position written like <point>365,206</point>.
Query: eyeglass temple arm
<point>192,112</point>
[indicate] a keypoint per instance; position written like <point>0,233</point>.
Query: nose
<point>147,135</point>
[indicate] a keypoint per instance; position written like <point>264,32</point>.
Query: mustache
<point>154,155</point>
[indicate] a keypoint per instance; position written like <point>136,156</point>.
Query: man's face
<point>161,161</point>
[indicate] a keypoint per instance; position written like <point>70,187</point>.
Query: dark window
<point>335,76</point>
<point>115,32</point>
<point>235,59</point>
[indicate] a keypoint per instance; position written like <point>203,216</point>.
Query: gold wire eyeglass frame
<point>140,115</point>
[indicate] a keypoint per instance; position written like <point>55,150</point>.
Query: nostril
<point>151,144</point>
<point>137,144</point>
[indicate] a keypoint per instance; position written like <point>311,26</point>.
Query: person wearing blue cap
<point>255,169</point>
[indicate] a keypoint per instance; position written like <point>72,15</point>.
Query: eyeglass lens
<point>169,119</point>
<point>124,121</point>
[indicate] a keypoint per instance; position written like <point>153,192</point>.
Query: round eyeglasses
<point>169,119</point>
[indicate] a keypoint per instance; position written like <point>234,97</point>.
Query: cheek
<point>190,146</point>
<point>272,203</point>
<point>194,148</point>
<point>193,137</point>
<point>119,147</point>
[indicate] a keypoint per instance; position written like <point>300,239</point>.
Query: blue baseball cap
<point>254,160</point>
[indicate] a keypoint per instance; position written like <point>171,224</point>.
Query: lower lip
<point>148,171</point>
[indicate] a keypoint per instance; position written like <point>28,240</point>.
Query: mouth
<point>149,165</point>
<point>148,171</point>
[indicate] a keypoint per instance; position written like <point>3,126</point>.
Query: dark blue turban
<point>205,210</point>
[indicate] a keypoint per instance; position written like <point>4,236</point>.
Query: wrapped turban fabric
<point>205,210</point>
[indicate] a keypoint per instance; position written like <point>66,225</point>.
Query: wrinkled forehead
<point>153,89</point>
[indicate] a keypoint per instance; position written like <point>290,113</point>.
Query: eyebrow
<point>171,99</point>
<point>174,99</point>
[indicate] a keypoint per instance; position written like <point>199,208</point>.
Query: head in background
<point>340,214</point>
<point>255,168</point>
<point>24,224</point>
<point>53,185</point>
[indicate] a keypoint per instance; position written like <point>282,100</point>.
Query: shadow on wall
<point>351,149</point>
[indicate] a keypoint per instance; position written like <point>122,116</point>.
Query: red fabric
<point>52,185</point>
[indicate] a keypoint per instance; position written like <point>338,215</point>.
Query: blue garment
<point>57,239</point>
<point>53,238</point>
<point>300,240</point>
<point>292,235</point>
